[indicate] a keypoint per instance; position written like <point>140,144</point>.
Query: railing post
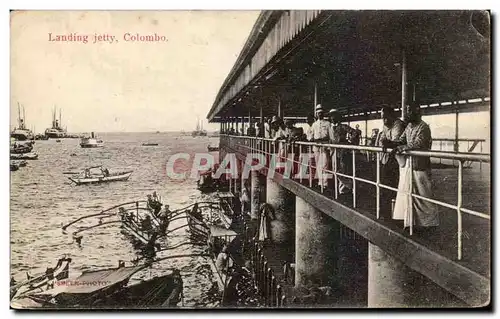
<point>335,183</point>
<point>354,178</point>
<point>411,194</point>
<point>378,185</point>
<point>272,290</point>
<point>480,151</point>
<point>310,148</point>
<point>264,278</point>
<point>459,213</point>
<point>269,278</point>
<point>278,295</point>
<point>321,151</point>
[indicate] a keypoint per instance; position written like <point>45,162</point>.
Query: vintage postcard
<point>250,159</point>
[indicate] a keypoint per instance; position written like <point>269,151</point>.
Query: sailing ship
<point>21,133</point>
<point>199,131</point>
<point>56,131</point>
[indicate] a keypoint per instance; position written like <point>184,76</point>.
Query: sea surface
<point>43,198</point>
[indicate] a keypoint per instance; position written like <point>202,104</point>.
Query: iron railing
<point>270,148</point>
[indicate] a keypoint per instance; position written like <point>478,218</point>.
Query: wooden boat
<point>19,163</point>
<point>149,144</point>
<point>142,221</point>
<point>91,141</point>
<point>108,289</point>
<point>220,227</point>
<point>207,183</point>
<point>212,148</point>
<point>20,148</point>
<point>103,176</point>
<point>40,282</point>
<point>25,156</point>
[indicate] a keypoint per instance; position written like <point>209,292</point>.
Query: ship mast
<point>54,117</point>
<point>18,115</point>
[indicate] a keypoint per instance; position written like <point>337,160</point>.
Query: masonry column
<point>282,202</point>
<point>315,246</point>
<point>392,284</point>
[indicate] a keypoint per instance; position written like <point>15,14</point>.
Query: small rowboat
<point>149,144</point>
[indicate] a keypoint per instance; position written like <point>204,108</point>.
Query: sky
<point>123,86</point>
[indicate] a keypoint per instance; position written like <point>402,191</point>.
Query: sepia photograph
<point>276,159</point>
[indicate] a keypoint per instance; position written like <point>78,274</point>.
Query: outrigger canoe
<point>95,179</point>
<point>101,177</point>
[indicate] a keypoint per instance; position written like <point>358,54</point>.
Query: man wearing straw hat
<point>321,133</point>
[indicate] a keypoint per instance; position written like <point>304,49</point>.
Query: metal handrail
<point>270,146</point>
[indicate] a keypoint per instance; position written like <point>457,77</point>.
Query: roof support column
<point>456,132</point>
<point>403,85</point>
<point>315,96</point>
<point>279,106</point>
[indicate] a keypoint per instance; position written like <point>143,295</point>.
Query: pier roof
<point>353,60</point>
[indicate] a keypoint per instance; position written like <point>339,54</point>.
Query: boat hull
<point>91,145</point>
<point>24,156</point>
<point>102,179</point>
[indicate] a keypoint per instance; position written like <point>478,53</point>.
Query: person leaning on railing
<point>416,136</point>
<point>389,169</point>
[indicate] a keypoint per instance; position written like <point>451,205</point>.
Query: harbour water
<point>43,198</point>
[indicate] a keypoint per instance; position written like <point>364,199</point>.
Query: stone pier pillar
<point>393,284</point>
<point>282,201</point>
<point>315,245</point>
<point>255,194</point>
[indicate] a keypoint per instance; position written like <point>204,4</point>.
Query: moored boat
<point>107,289</point>
<point>91,141</point>
<point>21,133</point>
<point>56,131</point>
<point>20,163</point>
<point>42,281</point>
<point>24,156</point>
<point>18,148</point>
<point>149,144</point>
<point>212,148</point>
<point>13,167</point>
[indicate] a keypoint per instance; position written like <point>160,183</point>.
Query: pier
<point>357,62</point>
